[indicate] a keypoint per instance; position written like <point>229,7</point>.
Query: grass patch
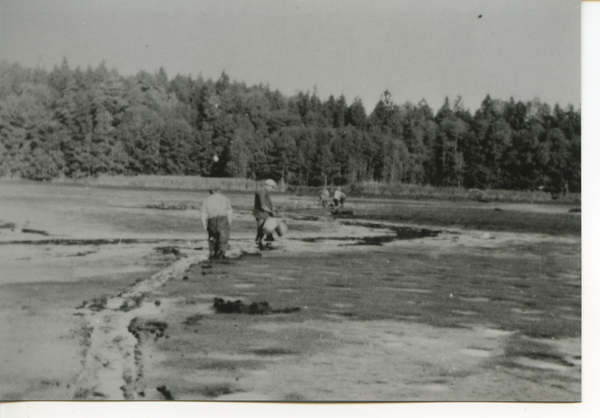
<point>273,351</point>
<point>477,218</point>
<point>397,190</point>
<point>164,182</point>
<point>518,291</point>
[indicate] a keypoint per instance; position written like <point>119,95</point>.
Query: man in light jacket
<point>216,214</point>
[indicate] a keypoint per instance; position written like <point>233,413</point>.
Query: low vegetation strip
<point>480,219</point>
<point>392,190</point>
<point>163,182</point>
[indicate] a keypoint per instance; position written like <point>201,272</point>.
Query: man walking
<point>324,197</point>
<point>263,209</point>
<point>216,214</point>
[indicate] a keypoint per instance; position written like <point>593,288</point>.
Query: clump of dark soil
<point>273,351</point>
<point>83,253</point>
<point>343,213</point>
<point>217,389</point>
<point>402,232</point>
<point>303,217</point>
<point>169,250</point>
<point>165,392</point>
<point>194,319</point>
<point>95,305</point>
<point>132,303</point>
<point>554,358</point>
<point>255,308</point>
<point>138,326</point>
<point>164,206</point>
<point>34,231</point>
<point>249,254</point>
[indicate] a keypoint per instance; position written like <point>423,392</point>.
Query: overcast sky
<point>415,48</point>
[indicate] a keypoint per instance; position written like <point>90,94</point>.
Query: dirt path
<point>109,369</point>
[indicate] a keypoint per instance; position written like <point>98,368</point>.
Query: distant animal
<point>479,17</point>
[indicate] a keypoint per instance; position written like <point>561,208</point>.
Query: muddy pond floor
<point>102,304</point>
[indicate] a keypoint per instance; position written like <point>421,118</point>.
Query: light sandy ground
<point>55,347</point>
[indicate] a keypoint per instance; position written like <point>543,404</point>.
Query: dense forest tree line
<point>74,123</point>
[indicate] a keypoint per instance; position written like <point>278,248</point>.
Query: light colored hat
<point>270,182</point>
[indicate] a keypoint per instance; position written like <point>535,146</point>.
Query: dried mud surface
<point>336,310</point>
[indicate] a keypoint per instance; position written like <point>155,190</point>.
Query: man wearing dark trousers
<point>263,209</point>
<point>216,214</point>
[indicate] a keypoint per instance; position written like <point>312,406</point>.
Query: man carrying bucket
<point>263,210</point>
<point>216,214</point>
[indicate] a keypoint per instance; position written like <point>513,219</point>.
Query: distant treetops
<point>78,123</point>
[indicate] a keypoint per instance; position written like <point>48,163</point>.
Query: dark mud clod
<point>402,233</point>
<point>165,392</point>
<point>185,278</point>
<point>194,319</point>
<point>247,254</point>
<point>96,305</point>
<point>132,303</point>
<point>342,213</point>
<point>272,351</point>
<point>304,217</point>
<point>212,391</point>
<point>138,326</point>
<point>34,231</point>
<point>169,250</point>
<point>83,305</point>
<point>164,206</point>
<point>255,308</point>
<point>50,383</point>
<point>157,303</point>
<point>83,253</point>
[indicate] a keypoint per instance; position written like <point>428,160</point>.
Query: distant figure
<point>338,199</point>
<point>324,197</point>
<point>216,214</point>
<point>263,210</point>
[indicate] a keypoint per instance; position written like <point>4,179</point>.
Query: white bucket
<point>270,225</point>
<point>281,228</point>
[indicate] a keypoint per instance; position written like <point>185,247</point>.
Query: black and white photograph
<point>291,202</point>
